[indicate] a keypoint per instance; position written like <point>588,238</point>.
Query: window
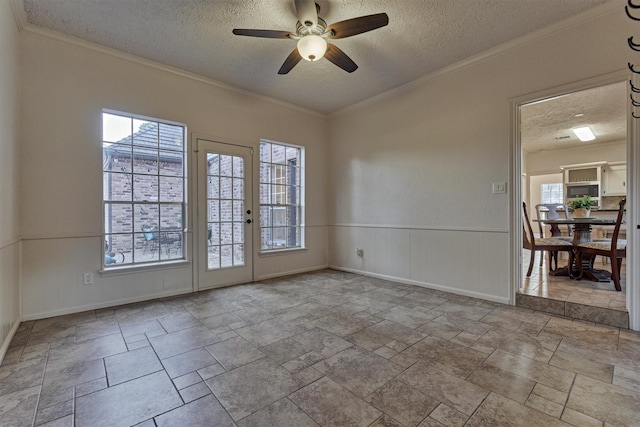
<point>551,193</point>
<point>144,183</point>
<point>281,196</point>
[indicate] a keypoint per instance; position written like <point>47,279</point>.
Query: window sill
<point>276,252</point>
<point>130,269</point>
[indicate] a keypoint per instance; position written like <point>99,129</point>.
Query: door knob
<point>248,211</point>
<point>248,221</point>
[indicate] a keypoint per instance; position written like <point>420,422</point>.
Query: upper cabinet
<point>614,179</point>
<point>583,172</point>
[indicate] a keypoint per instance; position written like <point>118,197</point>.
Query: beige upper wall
<point>65,88</point>
<point>550,161</point>
<point>9,174</point>
<point>423,156</point>
<point>10,125</point>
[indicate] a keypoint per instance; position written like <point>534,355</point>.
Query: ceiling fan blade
<point>354,26</point>
<point>307,12</point>
<point>291,61</point>
<point>269,34</point>
<point>341,59</point>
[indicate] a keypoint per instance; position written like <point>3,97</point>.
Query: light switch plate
<point>499,187</point>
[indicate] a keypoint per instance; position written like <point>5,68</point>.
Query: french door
<point>225,214</point>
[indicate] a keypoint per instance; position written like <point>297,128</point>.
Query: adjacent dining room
<point>574,216</point>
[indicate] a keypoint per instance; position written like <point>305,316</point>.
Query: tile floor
<point>325,348</point>
<point>581,299</point>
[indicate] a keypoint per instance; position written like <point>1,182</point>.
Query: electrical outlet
<point>359,253</point>
<point>88,278</point>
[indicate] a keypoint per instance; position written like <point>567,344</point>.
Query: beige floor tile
<point>251,387</point>
<point>525,345</point>
<point>544,405</point>
<point>359,371</point>
<point>402,402</point>
<point>182,341</point>
<point>447,356</point>
<point>579,364</point>
<point>449,389</point>
<point>203,412</point>
<point>128,403</point>
<point>18,408</point>
<point>606,402</point>
<point>234,352</point>
<point>328,348</point>
<point>281,413</point>
<point>557,378</point>
<point>502,382</point>
<point>331,405</point>
<point>578,419</point>
<point>131,364</point>
<point>397,332</point>
<point>497,410</point>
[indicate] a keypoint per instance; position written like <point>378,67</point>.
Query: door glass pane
<point>225,214</point>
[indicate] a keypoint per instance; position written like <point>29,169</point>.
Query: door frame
<point>633,180</point>
<point>195,191</point>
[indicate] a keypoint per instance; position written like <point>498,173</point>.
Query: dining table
<point>581,234</point>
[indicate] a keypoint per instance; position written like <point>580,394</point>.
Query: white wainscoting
<point>467,262</point>
<point>53,269</point>
<point>52,278</point>
<point>9,293</point>
<point>314,257</point>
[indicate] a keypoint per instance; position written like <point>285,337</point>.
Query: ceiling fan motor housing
<point>304,30</point>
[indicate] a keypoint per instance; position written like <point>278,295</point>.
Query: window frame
<point>278,179</point>
<point>544,191</point>
<point>162,231</point>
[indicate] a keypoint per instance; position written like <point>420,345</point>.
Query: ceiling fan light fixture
<point>312,47</point>
<point>584,133</point>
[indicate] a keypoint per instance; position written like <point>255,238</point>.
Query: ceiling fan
<point>312,33</point>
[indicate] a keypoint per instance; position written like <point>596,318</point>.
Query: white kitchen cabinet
<point>614,180</point>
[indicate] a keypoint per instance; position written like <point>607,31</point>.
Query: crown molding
<point>517,43</point>
<point>19,14</point>
<point>34,30</point>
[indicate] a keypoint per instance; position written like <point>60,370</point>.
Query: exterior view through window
<point>225,211</point>
<point>281,196</point>
<point>144,182</point>
<point>551,193</point>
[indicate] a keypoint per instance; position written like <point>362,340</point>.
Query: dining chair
<point>150,239</point>
<point>615,249</point>
<point>550,211</point>
<point>542,244</point>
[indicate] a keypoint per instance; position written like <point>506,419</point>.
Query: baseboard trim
<point>109,304</point>
<point>7,340</point>
<point>290,272</point>
<point>463,292</point>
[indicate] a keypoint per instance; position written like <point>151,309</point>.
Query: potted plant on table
<point>581,206</point>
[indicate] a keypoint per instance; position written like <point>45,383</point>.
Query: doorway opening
<point>547,149</point>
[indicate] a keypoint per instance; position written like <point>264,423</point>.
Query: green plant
<point>581,202</point>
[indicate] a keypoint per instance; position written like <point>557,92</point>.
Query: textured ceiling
<point>547,125</point>
<point>195,35</point>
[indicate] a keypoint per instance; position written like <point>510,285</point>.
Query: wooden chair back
<point>528,238</point>
<point>616,229</point>
<point>550,211</point>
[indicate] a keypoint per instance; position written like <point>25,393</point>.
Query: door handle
<point>248,221</point>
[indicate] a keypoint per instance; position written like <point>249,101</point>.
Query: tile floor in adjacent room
<point>582,299</point>
<point>326,348</point>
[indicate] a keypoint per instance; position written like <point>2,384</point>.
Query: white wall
<point>535,193</point>
<point>9,175</point>
<point>413,170</point>
<point>65,87</point>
